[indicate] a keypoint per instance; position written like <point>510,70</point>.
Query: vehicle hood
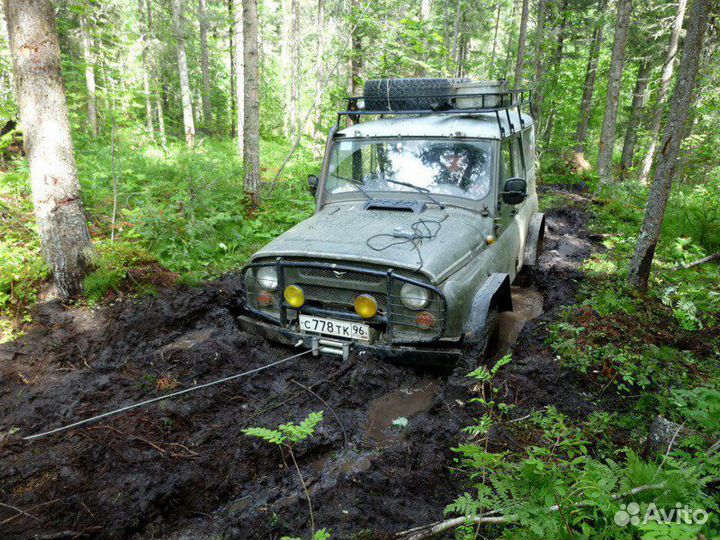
<point>350,233</point>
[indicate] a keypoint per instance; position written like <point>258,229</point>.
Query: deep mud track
<point>184,469</point>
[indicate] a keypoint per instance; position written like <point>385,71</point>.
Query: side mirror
<point>313,183</point>
<point>515,191</point>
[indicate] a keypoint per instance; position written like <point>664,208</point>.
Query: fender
<point>535,238</point>
<point>494,292</point>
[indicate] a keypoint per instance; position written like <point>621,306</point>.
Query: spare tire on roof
<point>409,94</point>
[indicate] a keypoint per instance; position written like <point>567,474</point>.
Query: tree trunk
<point>157,84</point>
<point>536,84</point>
<point>553,66</point>
<point>320,72</point>
<point>663,91</point>
<point>89,57</point>
<point>456,32</point>
<point>607,135</point>
<point>667,158</point>
<point>493,68</point>
<point>638,104</point>
<point>251,126</point>
<point>589,86</point>
<point>356,53</point>
<point>43,108</point>
<point>145,68</point>
<point>240,75</point>
<point>522,38</point>
<point>204,63</point>
<point>233,80</point>
<point>425,9</point>
<point>294,66</point>
<point>188,120</point>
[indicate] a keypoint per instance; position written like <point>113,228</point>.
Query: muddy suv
<point>426,211</point>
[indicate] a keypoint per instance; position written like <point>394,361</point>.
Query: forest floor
<point>184,469</point>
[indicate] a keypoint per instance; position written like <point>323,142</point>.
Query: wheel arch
<point>494,293</point>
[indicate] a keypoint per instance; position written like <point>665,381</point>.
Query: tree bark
<point>251,125</point>
<point>667,158</point>
<point>157,84</point>
<point>294,66</point>
<point>638,104</point>
<point>553,66</point>
<point>522,38</point>
<point>44,116</point>
<point>665,81</point>
<point>493,67</point>
<point>425,9</point>
<point>188,119</point>
<point>233,81</point>
<point>145,68</point>
<point>607,135</point>
<point>204,63</point>
<point>456,32</point>
<point>240,74</point>
<point>88,55</point>
<point>536,84</point>
<point>320,71</point>
<point>356,53</point>
<point>589,86</point>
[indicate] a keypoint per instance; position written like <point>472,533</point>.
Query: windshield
<point>438,166</point>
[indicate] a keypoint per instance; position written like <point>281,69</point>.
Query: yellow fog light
<point>365,306</point>
<point>294,296</point>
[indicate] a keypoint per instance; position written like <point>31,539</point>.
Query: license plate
<point>334,327</point>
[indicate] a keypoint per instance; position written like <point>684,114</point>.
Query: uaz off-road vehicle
<point>425,215</point>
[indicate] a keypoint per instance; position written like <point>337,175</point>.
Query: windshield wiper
<point>355,184</point>
<point>424,191</point>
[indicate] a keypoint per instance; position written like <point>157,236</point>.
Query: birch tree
<point>665,81</point>
<point>607,135</point>
<point>251,125</point>
<point>44,116</point>
<point>320,70</point>
<point>669,149</point>
<point>187,106</point>
<point>156,83</point>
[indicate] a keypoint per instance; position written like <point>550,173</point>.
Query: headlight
<point>267,277</point>
<point>414,297</point>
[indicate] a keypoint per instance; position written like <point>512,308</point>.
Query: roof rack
<point>504,101</point>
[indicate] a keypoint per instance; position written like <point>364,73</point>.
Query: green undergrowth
<point>637,357</point>
<point>181,213</point>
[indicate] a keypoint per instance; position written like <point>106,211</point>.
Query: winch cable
<point>166,396</point>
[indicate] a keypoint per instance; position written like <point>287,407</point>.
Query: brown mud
<point>379,463</point>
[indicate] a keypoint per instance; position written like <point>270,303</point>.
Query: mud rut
<point>183,469</point>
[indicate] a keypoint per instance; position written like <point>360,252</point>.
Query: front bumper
<point>440,354</point>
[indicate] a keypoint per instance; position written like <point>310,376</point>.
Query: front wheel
<point>486,345</point>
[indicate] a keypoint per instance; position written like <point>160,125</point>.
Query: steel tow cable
<point>166,396</point>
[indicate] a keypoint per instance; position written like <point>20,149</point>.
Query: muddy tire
<point>485,347</point>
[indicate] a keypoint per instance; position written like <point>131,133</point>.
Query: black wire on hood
<point>422,229</point>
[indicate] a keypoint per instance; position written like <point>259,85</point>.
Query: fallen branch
<point>709,258</point>
<point>432,529</point>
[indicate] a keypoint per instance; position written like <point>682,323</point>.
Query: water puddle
<point>527,305</point>
<point>389,414</point>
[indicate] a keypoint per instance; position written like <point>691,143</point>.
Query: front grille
<point>332,296</point>
<point>328,274</point>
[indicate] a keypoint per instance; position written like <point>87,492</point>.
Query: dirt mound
<point>184,469</point>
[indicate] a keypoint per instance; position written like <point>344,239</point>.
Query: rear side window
<point>517,158</point>
<point>506,163</point>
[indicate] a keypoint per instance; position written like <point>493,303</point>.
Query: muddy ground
<point>183,468</point>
